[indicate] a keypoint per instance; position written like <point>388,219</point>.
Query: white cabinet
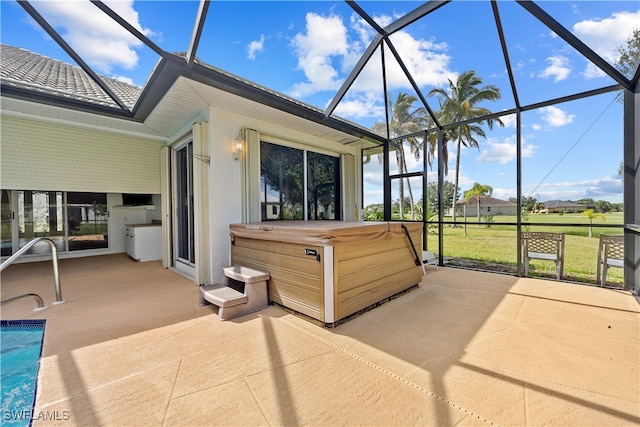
<point>144,241</point>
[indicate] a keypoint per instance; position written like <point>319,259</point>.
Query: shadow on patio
<point>131,346</point>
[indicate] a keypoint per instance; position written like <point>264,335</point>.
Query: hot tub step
<point>232,303</point>
<point>222,295</point>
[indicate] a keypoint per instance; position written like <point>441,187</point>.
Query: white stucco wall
<point>45,155</point>
<point>41,154</point>
<point>225,185</point>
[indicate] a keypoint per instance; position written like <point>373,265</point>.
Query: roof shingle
<point>24,69</point>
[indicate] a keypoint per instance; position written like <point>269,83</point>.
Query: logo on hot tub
<point>312,252</point>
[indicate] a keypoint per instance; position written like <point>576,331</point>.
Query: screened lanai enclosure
<point>483,120</point>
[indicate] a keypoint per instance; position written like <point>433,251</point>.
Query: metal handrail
<point>54,259</point>
<point>37,297</point>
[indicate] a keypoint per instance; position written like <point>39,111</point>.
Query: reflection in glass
<point>323,193</point>
<point>5,224</point>
<point>40,214</point>
<point>87,217</point>
<point>185,201</point>
<point>281,180</point>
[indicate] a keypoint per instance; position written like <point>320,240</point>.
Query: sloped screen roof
<point>348,60</point>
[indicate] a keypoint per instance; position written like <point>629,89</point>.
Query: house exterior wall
<point>42,155</point>
<point>54,156</point>
<point>485,210</point>
<point>227,176</point>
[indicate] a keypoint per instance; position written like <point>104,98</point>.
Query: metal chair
<point>610,254</point>
<point>544,246</point>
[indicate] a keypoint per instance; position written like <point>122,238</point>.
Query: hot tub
<point>329,270</point>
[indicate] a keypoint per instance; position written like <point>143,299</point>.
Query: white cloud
<point>363,107</point>
<point>124,79</point>
<point>606,36</point>
<point>254,47</point>
<point>326,53</point>
<point>503,151</point>
<point>426,61</point>
<point>509,121</point>
<point>97,38</point>
<point>325,39</point>
<point>559,68</point>
<point>593,72</point>
<point>555,117</point>
<point>605,188</point>
<point>504,193</point>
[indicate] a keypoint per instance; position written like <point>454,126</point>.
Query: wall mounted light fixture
<point>238,144</point>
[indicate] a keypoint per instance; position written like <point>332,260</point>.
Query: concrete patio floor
<point>132,347</point>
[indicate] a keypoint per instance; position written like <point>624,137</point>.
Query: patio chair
<point>610,254</point>
<point>429,258</point>
<point>543,246</point>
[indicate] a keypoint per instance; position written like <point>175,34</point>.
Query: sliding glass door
<point>74,221</point>
<point>184,235</point>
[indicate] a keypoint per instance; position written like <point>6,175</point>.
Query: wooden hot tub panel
<point>367,274</point>
<point>330,270</point>
<point>296,277</point>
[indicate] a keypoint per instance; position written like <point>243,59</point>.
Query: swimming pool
<point>21,348</point>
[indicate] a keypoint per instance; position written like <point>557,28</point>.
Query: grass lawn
<point>495,246</point>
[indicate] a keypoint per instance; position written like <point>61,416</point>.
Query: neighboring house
<point>556,206</point>
<point>488,206</point>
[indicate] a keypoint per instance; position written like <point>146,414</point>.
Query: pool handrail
<point>54,259</point>
<point>37,297</point>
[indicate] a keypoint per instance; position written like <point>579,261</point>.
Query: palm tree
<point>405,120</point>
<point>591,214</point>
<point>461,105</point>
<point>478,190</point>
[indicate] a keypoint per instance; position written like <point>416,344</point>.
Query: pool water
<point>20,351</point>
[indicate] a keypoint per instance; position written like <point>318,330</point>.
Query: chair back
<point>542,242</point>
<point>611,247</point>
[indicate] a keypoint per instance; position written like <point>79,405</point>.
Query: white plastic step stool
<point>232,303</point>
<point>429,258</point>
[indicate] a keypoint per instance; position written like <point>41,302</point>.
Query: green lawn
<point>485,245</point>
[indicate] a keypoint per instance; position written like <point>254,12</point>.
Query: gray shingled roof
<point>555,204</point>
<point>27,70</point>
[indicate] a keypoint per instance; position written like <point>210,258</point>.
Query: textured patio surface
<point>131,347</point>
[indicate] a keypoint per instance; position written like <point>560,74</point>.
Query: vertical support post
<point>631,190</point>
<point>519,193</point>
<point>441,197</point>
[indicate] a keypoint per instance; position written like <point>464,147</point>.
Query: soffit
<point>27,109</point>
<point>187,98</point>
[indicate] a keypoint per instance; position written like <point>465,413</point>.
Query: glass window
<point>282,182</point>
<point>323,195</point>
<point>185,218</point>
<point>40,214</point>
<point>88,221</point>
<point>5,224</point>
<point>73,221</point>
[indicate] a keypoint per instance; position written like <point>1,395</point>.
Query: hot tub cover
<point>324,233</point>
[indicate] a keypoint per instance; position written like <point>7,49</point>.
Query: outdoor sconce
<point>237,147</point>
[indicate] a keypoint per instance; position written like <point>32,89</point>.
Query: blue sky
<point>305,49</point>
